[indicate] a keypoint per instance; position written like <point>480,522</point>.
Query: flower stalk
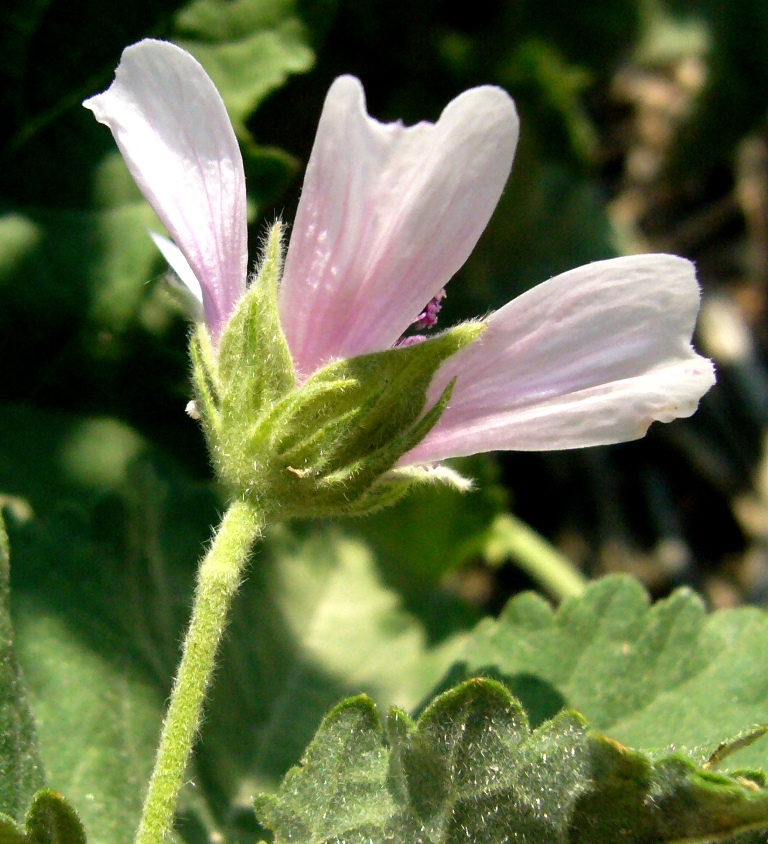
<point>218,579</point>
<point>512,537</point>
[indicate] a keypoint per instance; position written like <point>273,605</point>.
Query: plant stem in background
<point>511,537</point>
<point>218,579</point>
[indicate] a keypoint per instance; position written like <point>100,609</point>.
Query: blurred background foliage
<point>643,128</point>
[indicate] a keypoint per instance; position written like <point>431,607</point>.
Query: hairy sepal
<point>254,363</point>
<point>328,445</point>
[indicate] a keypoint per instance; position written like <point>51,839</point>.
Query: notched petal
<point>388,214</point>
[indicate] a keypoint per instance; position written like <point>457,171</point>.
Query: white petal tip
<point>434,473</point>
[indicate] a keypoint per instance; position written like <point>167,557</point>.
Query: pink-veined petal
<point>589,357</point>
<point>387,215</point>
<point>177,140</point>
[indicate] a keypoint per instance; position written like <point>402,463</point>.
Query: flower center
<point>428,317</point>
<point>425,320</point>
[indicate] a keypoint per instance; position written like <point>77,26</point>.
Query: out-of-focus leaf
<point>559,88</point>
<point>21,769</point>
<point>657,678</point>
<point>79,304</point>
<point>101,592</point>
<point>105,257</point>
<point>471,770</point>
<point>594,33</point>
<point>248,47</point>
<point>47,458</point>
<point>98,715</point>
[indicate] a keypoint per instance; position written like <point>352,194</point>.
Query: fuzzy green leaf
<point>52,820</point>
<point>21,769</point>
<point>311,806</point>
<point>471,770</point>
<point>10,831</point>
<point>655,677</point>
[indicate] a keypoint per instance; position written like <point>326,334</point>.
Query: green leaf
<point>101,593</point>
<point>655,677</point>
<point>98,714</point>
<point>311,806</point>
<point>248,47</point>
<point>21,769</point>
<point>10,831</point>
<point>471,770</point>
<point>50,820</point>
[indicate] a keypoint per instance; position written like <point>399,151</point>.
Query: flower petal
<point>185,285</point>
<point>388,214</point>
<point>590,357</point>
<point>178,263</point>
<point>176,138</point>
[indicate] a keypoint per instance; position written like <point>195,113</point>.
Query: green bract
<point>325,445</point>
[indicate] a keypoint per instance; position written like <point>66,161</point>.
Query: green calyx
<point>326,446</point>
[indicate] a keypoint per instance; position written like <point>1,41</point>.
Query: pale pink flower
<point>387,215</point>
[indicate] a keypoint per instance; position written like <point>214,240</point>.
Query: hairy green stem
<point>217,581</point>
